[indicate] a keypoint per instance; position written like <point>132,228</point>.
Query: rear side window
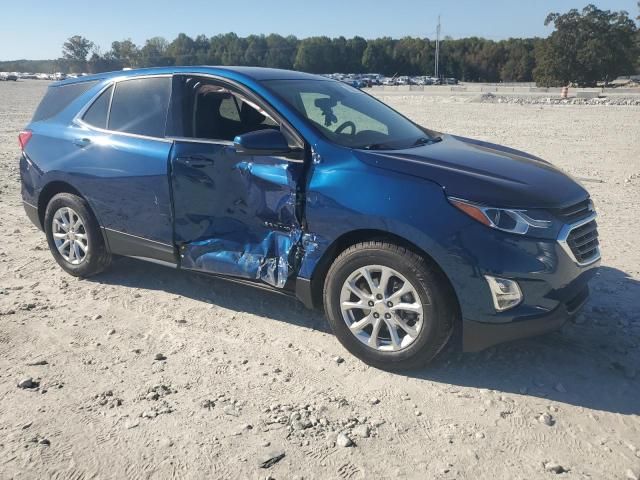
<point>140,106</point>
<point>96,115</point>
<point>58,98</point>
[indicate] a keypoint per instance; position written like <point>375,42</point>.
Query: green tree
<point>154,53</point>
<point>586,47</point>
<point>75,51</point>
<point>378,56</point>
<point>316,55</point>
<point>76,48</point>
<point>125,53</point>
<point>281,51</point>
<point>182,50</point>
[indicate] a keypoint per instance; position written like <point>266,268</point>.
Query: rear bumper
<point>32,214</point>
<point>477,336</point>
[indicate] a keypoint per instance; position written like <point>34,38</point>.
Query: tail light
<point>24,137</point>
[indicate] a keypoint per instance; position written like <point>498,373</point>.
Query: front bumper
<point>477,336</point>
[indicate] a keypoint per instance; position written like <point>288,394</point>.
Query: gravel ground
<point>145,372</point>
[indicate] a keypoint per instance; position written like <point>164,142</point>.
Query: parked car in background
<point>306,186</point>
<point>9,77</point>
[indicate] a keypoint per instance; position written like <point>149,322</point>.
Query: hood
<point>483,172</point>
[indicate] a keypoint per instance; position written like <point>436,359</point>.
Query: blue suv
<point>306,185</point>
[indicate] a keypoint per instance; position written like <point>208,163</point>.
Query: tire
<point>430,292</point>
<point>85,263</point>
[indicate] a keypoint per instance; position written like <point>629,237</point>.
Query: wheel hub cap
<point>381,308</point>
<point>70,235</point>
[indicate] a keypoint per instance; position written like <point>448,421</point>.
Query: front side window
<point>347,116</point>
<point>140,106</point>
<point>97,113</point>
<point>210,111</point>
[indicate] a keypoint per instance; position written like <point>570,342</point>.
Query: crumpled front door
<point>234,214</point>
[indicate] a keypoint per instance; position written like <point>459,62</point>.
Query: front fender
<point>347,195</point>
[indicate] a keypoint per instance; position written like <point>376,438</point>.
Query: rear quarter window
<point>96,115</point>
<point>140,106</point>
<point>58,98</point>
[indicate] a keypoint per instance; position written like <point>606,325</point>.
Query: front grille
<point>575,212</point>
<point>583,241</point>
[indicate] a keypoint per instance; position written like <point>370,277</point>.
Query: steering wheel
<point>347,124</point>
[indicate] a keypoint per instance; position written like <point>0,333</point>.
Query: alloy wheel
<point>381,308</point>
<point>70,235</point>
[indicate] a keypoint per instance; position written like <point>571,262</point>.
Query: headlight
<point>505,219</point>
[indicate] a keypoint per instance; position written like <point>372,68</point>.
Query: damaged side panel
<point>236,215</point>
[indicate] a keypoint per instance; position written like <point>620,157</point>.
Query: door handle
<point>195,161</point>
<point>81,142</point>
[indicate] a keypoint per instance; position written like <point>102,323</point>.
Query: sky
<point>36,29</point>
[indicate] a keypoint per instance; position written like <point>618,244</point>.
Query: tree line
<point>585,47</point>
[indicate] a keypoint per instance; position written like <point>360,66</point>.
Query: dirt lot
<point>243,375</point>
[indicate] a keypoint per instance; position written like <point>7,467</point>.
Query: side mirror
<point>262,142</point>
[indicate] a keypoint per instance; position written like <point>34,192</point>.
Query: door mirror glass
<point>262,142</point>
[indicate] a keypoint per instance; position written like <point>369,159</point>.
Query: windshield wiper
<point>426,141</point>
<point>375,146</point>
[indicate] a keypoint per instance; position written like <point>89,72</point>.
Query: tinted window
<point>140,106</point>
<point>348,116</point>
<point>96,115</point>
<point>58,98</point>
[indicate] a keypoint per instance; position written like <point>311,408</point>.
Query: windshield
<point>347,116</point>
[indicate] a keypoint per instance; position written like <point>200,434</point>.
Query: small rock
<point>338,360</point>
<point>479,435</point>
<point>546,419</point>
<point>230,410</point>
<point>271,458</point>
<point>159,357</point>
<point>44,441</point>
<point>361,431</point>
<point>28,382</point>
<point>132,424</point>
<point>374,401</point>
<point>554,467</point>
<point>165,442</point>
<point>37,363</point>
<point>208,404</point>
<point>111,332</point>
<point>343,441</point>
<point>149,414</point>
<point>97,317</point>
<point>631,475</point>
<point>245,427</point>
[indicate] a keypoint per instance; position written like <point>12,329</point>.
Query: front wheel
<point>388,306</point>
<point>74,236</point>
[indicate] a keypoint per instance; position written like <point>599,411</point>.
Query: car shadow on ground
<point>593,361</point>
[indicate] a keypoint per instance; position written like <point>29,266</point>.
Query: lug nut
<point>370,303</point>
<point>387,316</point>
<point>389,304</point>
<point>375,315</point>
<point>379,297</point>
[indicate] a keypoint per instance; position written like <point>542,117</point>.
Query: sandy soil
<point>243,376</point>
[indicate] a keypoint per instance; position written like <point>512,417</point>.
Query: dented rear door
<point>235,215</point>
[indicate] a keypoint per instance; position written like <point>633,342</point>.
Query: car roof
<point>252,73</point>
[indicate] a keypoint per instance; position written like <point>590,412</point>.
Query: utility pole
<point>437,72</point>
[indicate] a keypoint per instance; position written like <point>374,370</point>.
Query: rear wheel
<point>74,236</point>
<point>388,306</point>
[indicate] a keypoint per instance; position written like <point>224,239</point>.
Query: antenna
<point>437,69</point>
